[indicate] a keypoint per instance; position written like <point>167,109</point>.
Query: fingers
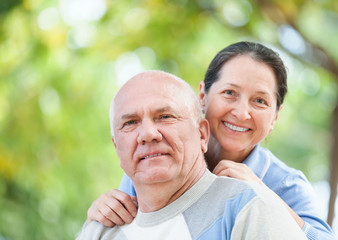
<point>236,170</point>
<point>107,215</point>
<point>128,202</point>
<point>227,168</point>
<point>95,214</point>
<point>134,198</point>
<point>113,207</point>
<point>121,209</point>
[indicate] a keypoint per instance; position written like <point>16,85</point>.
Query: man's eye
<point>261,101</point>
<point>128,123</point>
<point>165,116</point>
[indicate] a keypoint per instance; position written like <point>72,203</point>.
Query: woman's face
<point>241,105</point>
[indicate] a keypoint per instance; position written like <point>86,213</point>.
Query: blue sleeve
<point>297,192</point>
<point>127,186</point>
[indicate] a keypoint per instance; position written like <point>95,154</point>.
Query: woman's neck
<point>216,153</point>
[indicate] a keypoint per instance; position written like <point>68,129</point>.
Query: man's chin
<point>155,175</point>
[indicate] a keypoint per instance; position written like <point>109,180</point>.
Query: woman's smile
<point>235,128</point>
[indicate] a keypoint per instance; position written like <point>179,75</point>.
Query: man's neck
<point>156,196</point>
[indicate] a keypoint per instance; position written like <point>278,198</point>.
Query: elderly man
<point>160,138</point>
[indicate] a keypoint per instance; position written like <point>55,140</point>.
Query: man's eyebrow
<point>133,115</point>
<point>163,109</point>
<point>128,116</point>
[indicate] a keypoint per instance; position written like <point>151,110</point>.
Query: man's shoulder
<point>227,197</point>
<point>231,186</point>
<point>96,230</point>
<point>239,190</point>
<point>228,193</point>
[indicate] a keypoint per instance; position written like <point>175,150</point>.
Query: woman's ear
<point>276,118</point>
<point>202,96</point>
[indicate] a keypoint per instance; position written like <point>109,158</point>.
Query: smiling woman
<point>241,107</point>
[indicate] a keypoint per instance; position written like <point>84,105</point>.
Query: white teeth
<point>235,128</point>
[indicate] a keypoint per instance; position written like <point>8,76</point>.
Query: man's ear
<point>112,138</point>
<point>201,96</point>
<point>205,134</point>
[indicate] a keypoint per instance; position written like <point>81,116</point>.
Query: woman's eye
<point>229,92</point>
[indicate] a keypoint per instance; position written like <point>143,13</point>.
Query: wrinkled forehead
<point>142,92</point>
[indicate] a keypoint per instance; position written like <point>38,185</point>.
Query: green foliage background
<point>57,77</point>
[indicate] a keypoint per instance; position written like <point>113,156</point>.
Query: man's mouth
<point>154,155</point>
<point>236,128</point>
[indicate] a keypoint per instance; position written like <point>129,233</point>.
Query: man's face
<point>154,134</point>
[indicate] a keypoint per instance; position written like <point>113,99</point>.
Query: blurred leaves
<point>7,5</point>
<point>62,61</point>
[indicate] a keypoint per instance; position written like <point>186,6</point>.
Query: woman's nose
<point>241,110</point>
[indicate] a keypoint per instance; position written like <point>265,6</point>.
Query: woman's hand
<point>113,208</point>
<point>236,170</point>
<point>243,172</point>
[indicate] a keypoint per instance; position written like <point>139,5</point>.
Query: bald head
<point>157,82</point>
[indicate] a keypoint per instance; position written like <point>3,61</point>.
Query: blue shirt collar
<point>258,161</point>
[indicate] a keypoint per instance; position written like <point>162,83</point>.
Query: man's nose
<point>148,132</point>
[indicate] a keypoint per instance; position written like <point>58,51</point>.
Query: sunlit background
<point>61,62</point>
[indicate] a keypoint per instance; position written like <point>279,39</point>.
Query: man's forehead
<point>147,79</point>
<point>146,101</point>
<point>150,87</point>
<point>136,93</point>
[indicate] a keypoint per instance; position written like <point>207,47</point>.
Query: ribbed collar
<point>179,205</point>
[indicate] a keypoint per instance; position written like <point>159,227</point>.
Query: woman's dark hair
<point>256,51</point>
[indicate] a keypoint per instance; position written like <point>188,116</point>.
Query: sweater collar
<point>179,205</point>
